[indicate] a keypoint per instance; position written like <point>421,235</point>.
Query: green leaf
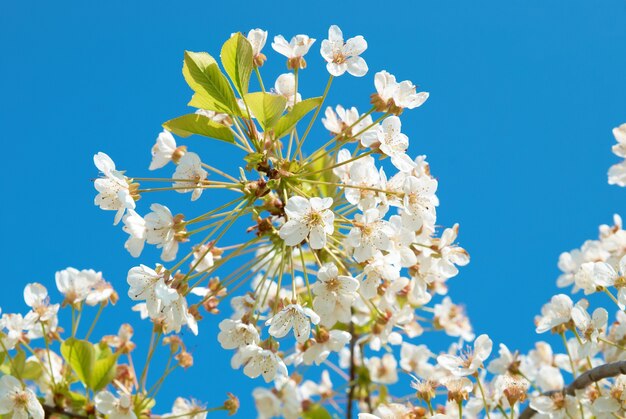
<point>287,122</point>
<point>81,356</point>
<point>192,123</point>
<point>104,369</point>
<point>32,370</point>
<point>205,78</point>
<point>18,364</point>
<point>237,59</point>
<point>316,412</point>
<point>267,108</point>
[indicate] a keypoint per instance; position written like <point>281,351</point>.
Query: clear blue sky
<point>517,129</point>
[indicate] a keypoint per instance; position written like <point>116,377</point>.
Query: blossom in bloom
<point>388,138</point>
<point>369,234</point>
<point>325,343</point>
<point>310,218</point>
<point>555,313</point>
<point>257,38</point>
<point>468,364</point>
<point>21,402</point>
<point>383,370</point>
<point>203,257</point>
<point>235,334</point>
<point>36,297</point>
<point>115,407</point>
<point>135,226</point>
<point>190,175</point>
<point>617,172</point>
<point>114,191</point>
<point>294,50</point>
<point>146,284</point>
<point>76,285</point>
<point>344,56</point>
<point>420,202</point>
<point>285,86</point>
<point>267,403</point>
<point>591,326</point>
<point>163,150</point>
<point>334,295</point>
<point>258,361</point>
<point>161,230</point>
<point>295,317</point>
<point>393,96</point>
<point>188,409</point>
<point>347,122</point>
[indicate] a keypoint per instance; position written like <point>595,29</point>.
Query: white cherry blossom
<point>21,402</point>
<point>190,175</point>
<point>470,362</point>
<point>310,218</point>
<point>113,189</point>
<point>334,295</point>
<point>162,150</point>
<point>344,56</point>
<point>295,317</point>
<point>294,50</point>
<point>388,138</point>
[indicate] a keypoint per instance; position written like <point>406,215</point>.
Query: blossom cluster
<point>335,283</point>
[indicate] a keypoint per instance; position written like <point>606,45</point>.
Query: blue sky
<point>517,130</point>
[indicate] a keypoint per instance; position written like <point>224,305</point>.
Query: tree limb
<point>583,381</point>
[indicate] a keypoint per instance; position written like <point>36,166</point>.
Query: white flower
<point>162,150</point>
<point>113,189</point>
<point>146,284</point>
<point>189,172</point>
<point>342,57</point>
<point>285,86</point>
<point>188,409</point>
<point>258,361</point>
<point>344,121</point>
<point>391,142</point>
<point>591,327</point>
<point>468,364</point>
<point>555,313</point>
<point>420,202</point>
<point>318,352</point>
<point>308,218</point>
<point>203,258</point>
<point>370,233</point>
<point>414,358</point>
<point>334,295</point>
<point>75,285</point>
<point>135,226</point>
<point>452,319</point>
<point>266,402</point>
<point>257,38</point>
<point>401,95</point>
<point>294,50</point>
<point>160,230</point>
<point>235,334</point>
<point>383,370</point>
<point>293,316</point>
<point>114,407</point>
<point>19,401</point>
<point>36,297</point>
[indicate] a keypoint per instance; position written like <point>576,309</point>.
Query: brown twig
<point>352,373</point>
<point>583,381</point>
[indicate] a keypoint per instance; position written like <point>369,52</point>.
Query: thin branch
<point>583,381</point>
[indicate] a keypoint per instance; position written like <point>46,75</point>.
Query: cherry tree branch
<point>52,411</point>
<point>583,381</point>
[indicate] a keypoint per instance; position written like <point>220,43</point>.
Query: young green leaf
<point>192,123</point>
<point>205,78</point>
<point>237,61</point>
<point>316,412</point>
<point>267,108</point>
<point>81,356</point>
<point>104,369</point>
<point>300,109</point>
